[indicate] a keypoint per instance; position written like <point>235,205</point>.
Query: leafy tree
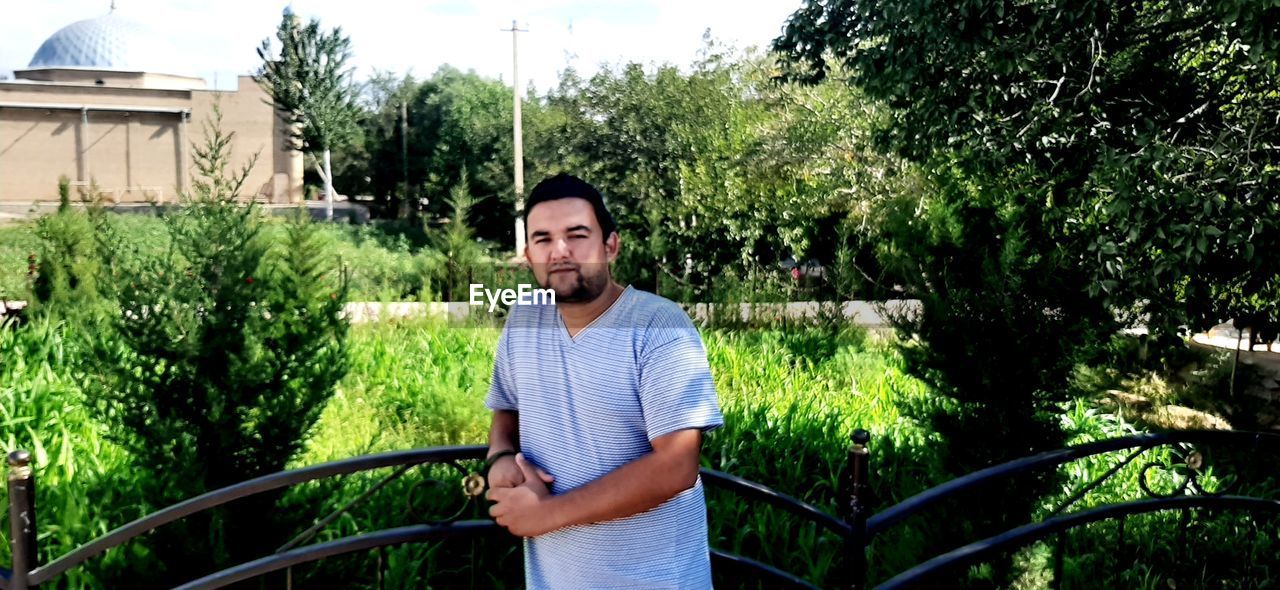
<point>720,171</point>
<point>465,128</point>
<point>219,358</point>
<point>1141,128</point>
<point>310,84</point>
<point>1081,160</point>
<point>377,161</point>
<point>458,124</point>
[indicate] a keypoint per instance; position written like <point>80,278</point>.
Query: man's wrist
<point>495,451</point>
<point>496,456</point>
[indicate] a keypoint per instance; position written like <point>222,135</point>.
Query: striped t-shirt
<point>590,404</point>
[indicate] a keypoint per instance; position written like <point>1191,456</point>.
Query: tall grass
<point>790,397</point>
<point>17,243</point>
<point>790,400</point>
<point>83,487</point>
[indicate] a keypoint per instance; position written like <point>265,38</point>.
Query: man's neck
<point>577,316</point>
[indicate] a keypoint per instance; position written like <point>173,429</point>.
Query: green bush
<point>216,360</point>
<point>68,264</point>
<point>19,246</point>
<point>64,193</point>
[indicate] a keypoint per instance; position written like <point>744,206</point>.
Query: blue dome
<point>109,42</point>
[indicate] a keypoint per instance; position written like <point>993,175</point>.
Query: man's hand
<point>505,473</point>
<point>522,509</point>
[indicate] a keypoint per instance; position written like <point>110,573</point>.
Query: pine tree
<point>220,358</point>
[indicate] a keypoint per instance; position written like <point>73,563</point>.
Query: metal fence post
<point>22,518</point>
<point>858,508</point>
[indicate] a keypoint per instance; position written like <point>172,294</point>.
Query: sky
<point>217,40</point>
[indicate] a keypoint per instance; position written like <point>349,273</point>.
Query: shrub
<point>220,358</point>
<point>64,193</point>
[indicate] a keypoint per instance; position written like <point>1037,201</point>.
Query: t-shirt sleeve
<point>676,388</point>
<point>502,389</point>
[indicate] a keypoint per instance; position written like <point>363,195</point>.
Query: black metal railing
<point>856,527</point>
<point>28,573</point>
<point>976,552</point>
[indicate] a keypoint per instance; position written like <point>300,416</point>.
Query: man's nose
<point>559,249</point>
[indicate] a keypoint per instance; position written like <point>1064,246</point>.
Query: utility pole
<point>518,137</point>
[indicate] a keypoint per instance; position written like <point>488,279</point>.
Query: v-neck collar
<point>564,330</point>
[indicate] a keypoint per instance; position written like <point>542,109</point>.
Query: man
<point>599,405</point>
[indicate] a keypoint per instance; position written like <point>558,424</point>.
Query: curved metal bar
<point>1027,534</point>
<point>319,525</point>
<point>775,577</point>
<point>431,481</point>
<point>884,520</point>
<point>1145,486</point>
<point>751,489</point>
<point>248,488</point>
<point>1098,481</point>
<point>383,538</point>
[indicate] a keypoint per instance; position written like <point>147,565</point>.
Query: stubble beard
<point>586,286</point>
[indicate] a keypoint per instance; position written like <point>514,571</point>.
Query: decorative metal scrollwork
<point>473,486</point>
<point>1188,465</point>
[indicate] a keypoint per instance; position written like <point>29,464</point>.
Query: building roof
<point>108,42</point>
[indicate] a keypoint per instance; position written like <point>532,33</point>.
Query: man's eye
<point>577,236</point>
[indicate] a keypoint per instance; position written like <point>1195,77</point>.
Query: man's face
<point>567,251</point>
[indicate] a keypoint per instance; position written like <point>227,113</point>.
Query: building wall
<point>131,156</point>
<point>35,148</point>
<point>93,77</point>
<point>277,173</point>
<point>77,94</point>
<point>135,155</point>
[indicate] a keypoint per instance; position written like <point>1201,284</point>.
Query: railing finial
<point>858,507</point>
<point>22,519</point>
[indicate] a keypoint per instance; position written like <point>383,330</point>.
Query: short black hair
<point>565,186</point>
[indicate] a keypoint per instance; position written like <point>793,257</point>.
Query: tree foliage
<point>1144,131</point>
<point>217,357</point>
<point>310,84</point>
<point>713,173</point>
<point>1086,164</point>
<point>309,81</point>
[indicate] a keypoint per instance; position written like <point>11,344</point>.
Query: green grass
<point>17,242</point>
<point>82,477</point>
<point>790,398</point>
<point>411,384</point>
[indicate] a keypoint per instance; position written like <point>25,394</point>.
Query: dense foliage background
<point>1067,190</point>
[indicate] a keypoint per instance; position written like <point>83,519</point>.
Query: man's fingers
<point>525,468</point>
<point>532,472</point>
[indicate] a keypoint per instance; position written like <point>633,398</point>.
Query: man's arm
<point>504,435</point>
<point>637,486</point>
<point>504,432</point>
<point>529,509</point>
